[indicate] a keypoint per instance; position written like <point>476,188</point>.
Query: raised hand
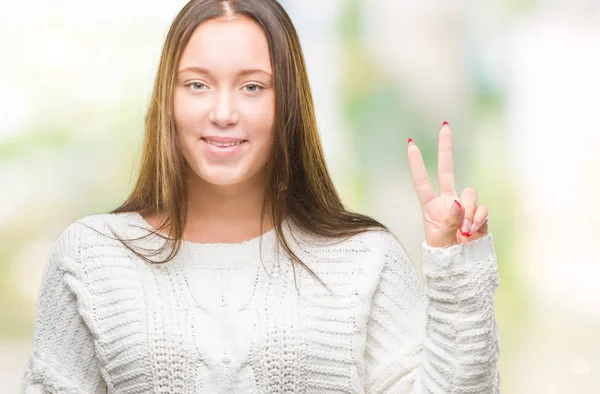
<point>448,220</point>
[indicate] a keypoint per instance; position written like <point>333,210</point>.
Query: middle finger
<point>446,162</point>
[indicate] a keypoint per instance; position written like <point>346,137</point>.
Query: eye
<point>196,86</point>
<point>253,88</point>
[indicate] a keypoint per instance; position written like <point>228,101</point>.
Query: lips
<point>222,139</point>
<point>223,147</point>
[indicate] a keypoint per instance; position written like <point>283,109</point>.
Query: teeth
<point>223,143</point>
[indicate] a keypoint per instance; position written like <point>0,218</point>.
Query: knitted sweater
<point>239,318</point>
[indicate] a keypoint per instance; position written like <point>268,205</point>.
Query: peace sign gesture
<point>447,221</point>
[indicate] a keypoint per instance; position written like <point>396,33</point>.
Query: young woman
<point>233,266</point>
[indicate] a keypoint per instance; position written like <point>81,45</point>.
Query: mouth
<point>223,148</point>
<point>223,144</point>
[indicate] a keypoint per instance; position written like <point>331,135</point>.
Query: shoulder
<point>371,249</point>
<point>89,262</point>
<point>377,240</point>
<point>384,258</point>
<point>373,243</point>
<point>83,234</point>
<point>380,244</point>
<point>101,222</point>
<point>383,244</point>
<point>88,257</point>
<point>63,266</point>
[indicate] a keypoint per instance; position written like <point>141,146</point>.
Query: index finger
<point>421,182</point>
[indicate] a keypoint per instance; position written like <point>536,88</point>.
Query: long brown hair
<point>299,185</point>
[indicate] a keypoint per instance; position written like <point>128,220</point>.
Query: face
<point>224,101</point>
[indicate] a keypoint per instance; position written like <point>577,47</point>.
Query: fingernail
<point>445,123</point>
<point>466,226</point>
<point>456,208</point>
<point>410,140</point>
<point>473,228</point>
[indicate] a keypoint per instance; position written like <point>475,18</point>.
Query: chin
<point>229,175</point>
<point>222,178</point>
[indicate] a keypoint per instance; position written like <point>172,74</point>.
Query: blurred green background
<point>518,82</point>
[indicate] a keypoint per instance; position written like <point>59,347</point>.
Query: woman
<point>233,266</point>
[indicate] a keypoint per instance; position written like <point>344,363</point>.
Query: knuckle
<point>451,223</point>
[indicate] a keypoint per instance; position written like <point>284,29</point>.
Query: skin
<point>224,88</point>
<point>442,228</point>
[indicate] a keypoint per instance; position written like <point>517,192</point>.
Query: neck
<point>226,213</point>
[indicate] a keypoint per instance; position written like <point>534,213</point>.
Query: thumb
<point>454,217</point>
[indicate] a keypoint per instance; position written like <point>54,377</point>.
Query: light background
<point>519,82</point>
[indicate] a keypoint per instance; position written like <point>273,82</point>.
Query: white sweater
<point>216,320</point>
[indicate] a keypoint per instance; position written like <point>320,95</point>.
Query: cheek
<point>263,140</point>
<point>260,122</point>
<point>187,116</point>
<point>178,111</point>
<point>186,112</point>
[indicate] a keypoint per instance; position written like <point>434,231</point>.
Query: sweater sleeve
<point>442,338</point>
<point>62,358</point>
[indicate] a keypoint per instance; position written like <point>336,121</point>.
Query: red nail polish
<point>445,123</point>
<point>410,140</point>
<point>456,209</point>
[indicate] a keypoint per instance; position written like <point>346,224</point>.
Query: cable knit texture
<point>240,318</point>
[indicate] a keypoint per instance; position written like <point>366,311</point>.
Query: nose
<point>223,112</point>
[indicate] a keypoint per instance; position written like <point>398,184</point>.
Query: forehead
<point>227,44</point>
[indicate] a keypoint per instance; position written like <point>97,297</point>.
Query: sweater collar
<point>263,247</point>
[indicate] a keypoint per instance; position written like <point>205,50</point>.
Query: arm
<point>440,340</point>
<point>62,359</point>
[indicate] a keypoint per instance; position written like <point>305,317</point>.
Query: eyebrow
<point>202,70</point>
